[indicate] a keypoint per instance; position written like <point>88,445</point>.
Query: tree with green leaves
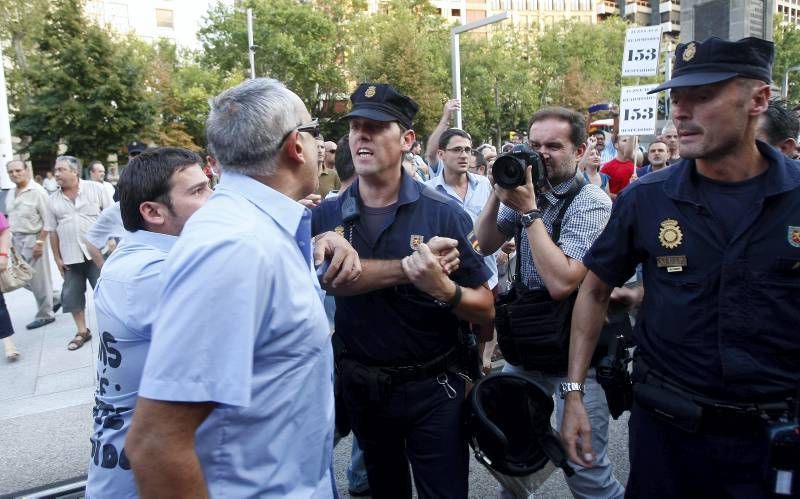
<point>296,43</point>
<point>180,87</point>
<point>786,36</point>
<point>86,89</point>
<point>577,64</point>
<point>405,44</point>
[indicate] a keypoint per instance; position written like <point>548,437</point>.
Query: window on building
<point>456,12</point>
<point>165,18</point>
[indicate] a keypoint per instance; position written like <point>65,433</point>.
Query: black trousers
<point>6,329</point>
<point>667,462</point>
<point>417,423</point>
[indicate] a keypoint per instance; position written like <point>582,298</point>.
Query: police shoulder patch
<point>793,235</point>
<point>473,240</point>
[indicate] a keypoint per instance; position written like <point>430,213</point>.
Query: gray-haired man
<point>255,418</point>
<point>73,208</point>
<point>26,206</point>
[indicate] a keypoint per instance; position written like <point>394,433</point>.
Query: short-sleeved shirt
<point>400,325</point>
<point>478,191</point>
<point>241,323</point>
<point>108,225</point>
<point>328,181</point>
<point>72,221</point>
<point>125,298</point>
<point>720,310</point>
<point>620,173</point>
<point>27,208</point>
<point>583,222</point>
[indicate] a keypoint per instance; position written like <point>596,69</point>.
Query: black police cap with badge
<point>381,102</point>
<point>715,60</point>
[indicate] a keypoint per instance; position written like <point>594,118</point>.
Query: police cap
<point>714,60</point>
<point>381,102</point>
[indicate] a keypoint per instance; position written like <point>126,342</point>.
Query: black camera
<point>509,168</point>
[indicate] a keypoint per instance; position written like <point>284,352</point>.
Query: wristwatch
<point>567,387</point>
<point>530,217</point>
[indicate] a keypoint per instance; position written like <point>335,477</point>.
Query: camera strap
<point>567,199</point>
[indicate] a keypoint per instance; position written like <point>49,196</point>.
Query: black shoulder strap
<point>568,197</point>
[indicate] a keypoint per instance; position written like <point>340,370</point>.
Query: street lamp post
<point>785,89</point>
<point>456,55</point>
<point>251,48</point>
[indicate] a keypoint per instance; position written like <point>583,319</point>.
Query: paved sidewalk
<point>45,398</point>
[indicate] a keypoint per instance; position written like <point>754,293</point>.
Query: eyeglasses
<point>459,150</point>
<point>311,127</point>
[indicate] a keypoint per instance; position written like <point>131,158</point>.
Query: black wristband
<point>456,297</point>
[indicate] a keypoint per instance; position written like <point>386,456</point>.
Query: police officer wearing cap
<point>718,235</point>
<point>399,321</point>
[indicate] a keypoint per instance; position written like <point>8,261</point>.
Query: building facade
<point>150,20</point>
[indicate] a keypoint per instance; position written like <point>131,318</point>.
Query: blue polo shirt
<point>400,325</point>
<point>125,299</point>
<point>721,311</point>
<point>241,324</point>
<point>478,191</point>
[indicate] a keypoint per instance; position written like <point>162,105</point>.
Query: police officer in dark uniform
<point>399,322</point>
<point>718,235</point>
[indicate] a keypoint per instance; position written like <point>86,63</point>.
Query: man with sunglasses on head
<point>398,323</point>
<point>236,398</point>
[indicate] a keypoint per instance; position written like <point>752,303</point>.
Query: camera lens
<point>508,171</point>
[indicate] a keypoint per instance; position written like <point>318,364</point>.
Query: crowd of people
<point>327,287</point>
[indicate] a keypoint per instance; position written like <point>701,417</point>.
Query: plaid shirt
<point>583,222</point>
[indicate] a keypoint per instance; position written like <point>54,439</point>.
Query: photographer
<point>558,135</point>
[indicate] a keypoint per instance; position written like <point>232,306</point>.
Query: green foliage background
<point>76,85</point>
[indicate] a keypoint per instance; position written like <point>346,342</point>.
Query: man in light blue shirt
<point>470,191</point>
<point>236,399</point>
<point>160,189</point>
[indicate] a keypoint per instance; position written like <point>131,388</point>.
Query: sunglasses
<point>311,127</point>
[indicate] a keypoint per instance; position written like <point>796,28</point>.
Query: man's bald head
<point>330,154</point>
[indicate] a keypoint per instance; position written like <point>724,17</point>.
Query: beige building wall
<point>537,13</point>
<point>175,20</point>
<point>790,9</point>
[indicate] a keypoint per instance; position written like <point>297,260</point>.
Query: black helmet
<point>508,423</point>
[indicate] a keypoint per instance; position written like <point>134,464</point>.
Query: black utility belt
<point>407,373</point>
<point>695,413</point>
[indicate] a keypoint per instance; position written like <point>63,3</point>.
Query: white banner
<point>637,110</point>
<point>642,46</point>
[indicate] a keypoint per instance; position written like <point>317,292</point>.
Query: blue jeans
<point>357,471</point>
<point>598,481</point>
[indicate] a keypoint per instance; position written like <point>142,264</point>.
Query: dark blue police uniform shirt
<point>400,324</point>
<point>722,314</point>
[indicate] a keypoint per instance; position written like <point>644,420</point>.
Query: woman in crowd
<point>590,166</point>
<point>6,329</point>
